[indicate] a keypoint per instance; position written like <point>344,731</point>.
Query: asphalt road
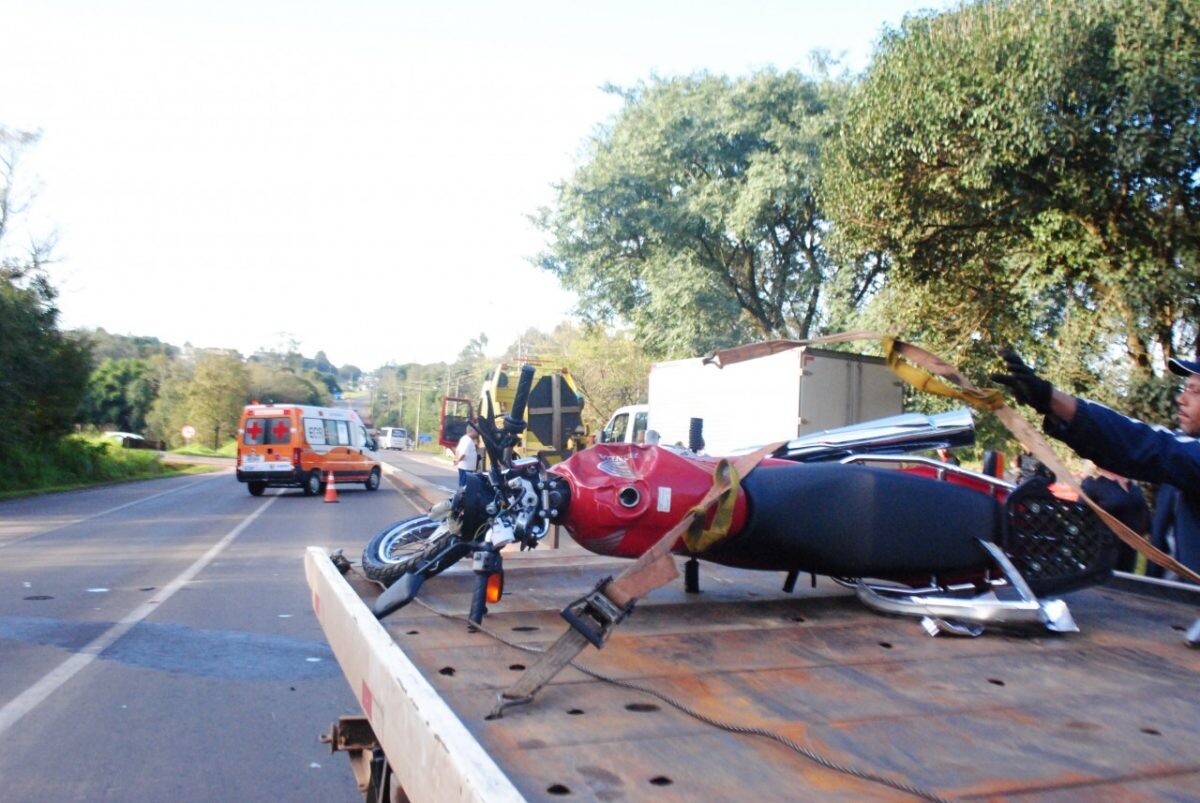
<point>435,470</point>
<point>158,643</point>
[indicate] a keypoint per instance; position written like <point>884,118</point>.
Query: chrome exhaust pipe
<point>969,616</point>
<point>900,434</point>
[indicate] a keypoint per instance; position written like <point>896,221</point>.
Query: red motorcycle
<point>912,535</point>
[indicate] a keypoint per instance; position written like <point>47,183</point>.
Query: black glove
<point>1026,386</point>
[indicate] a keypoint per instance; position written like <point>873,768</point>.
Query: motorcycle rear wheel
<point>404,546</point>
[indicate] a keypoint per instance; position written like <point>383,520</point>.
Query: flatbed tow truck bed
<point>802,696</point>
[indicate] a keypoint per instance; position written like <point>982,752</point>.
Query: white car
<point>120,436</point>
<point>394,438</point>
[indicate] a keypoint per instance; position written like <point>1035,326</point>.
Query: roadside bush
<point>76,457</point>
<point>76,461</point>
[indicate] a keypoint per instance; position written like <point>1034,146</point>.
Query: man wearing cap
<point>1129,447</point>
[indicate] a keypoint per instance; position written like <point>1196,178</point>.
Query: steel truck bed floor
<point>1110,713</point>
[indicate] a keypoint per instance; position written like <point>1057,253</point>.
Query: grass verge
<point>80,461</point>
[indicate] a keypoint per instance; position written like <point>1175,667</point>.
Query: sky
<point>351,176</point>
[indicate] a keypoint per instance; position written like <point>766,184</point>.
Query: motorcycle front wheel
<point>404,546</point>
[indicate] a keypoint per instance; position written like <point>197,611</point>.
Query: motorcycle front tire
<point>405,546</point>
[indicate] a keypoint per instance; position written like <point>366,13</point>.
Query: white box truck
<point>756,401</point>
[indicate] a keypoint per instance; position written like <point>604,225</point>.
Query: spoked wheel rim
<point>405,540</point>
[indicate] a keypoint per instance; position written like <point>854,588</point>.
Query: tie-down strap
<point>593,615</point>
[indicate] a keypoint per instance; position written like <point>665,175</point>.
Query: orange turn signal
<point>495,587</point>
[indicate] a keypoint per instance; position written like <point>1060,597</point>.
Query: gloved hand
<point>1026,386</point>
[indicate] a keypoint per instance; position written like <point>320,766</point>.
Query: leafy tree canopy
<point>119,395</point>
<point>108,346</point>
<point>695,215</point>
<point>42,371</point>
<point>271,383</point>
<point>1028,170</point>
<point>410,396</point>
<point>215,397</point>
<point>206,392</point>
<point>609,368</point>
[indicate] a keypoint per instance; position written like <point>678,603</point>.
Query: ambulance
<point>292,445</point>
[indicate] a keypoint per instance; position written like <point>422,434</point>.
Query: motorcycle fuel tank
<point>625,497</point>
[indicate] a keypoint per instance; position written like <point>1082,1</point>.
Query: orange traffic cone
<point>330,490</point>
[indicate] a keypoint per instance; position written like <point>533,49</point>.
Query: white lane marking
<point>72,522</point>
<point>396,471</point>
<point>36,694</point>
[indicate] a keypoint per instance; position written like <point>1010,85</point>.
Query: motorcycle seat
<point>859,521</point>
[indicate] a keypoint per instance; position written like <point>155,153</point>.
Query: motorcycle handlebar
<point>498,441</point>
<point>515,420</point>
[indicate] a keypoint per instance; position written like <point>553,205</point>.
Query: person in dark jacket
<point>1162,526</point>
<point>1125,500</point>
<point>1129,447</point>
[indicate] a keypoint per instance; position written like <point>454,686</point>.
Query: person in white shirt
<point>466,455</point>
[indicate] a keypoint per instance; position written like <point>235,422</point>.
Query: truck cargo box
<point>770,398</point>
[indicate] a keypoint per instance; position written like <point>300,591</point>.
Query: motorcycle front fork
<point>489,581</point>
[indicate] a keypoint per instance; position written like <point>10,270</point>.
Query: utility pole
<point>420,391</point>
<point>419,395</point>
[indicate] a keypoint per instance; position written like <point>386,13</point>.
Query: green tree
<point>108,346</point>
<point>410,396</point>
<point>349,374</point>
<point>207,392</point>
<point>119,394</point>
<point>274,383</point>
<point>1027,171</point>
<point>216,396</point>
<point>169,413</point>
<point>695,216</point>
<point>609,368</point>
<point>325,372</point>
<point>322,364</point>
<point>42,371</point>
<point>475,349</point>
